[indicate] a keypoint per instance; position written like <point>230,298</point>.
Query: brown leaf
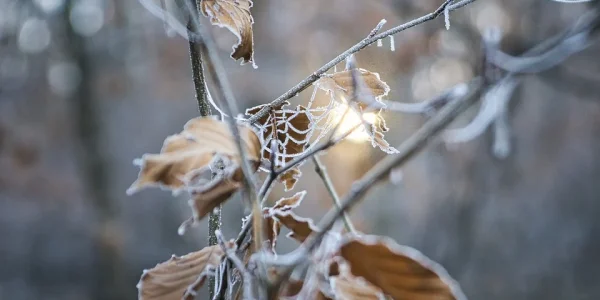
<point>271,228</point>
<point>346,286</point>
<point>401,272</point>
<point>290,178</point>
<point>353,288</point>
<point>193,149</point>
<point>300,227</point>
<point>340,87</point>
<point>285,204</point>
<point>235,16</point>
<point>204,202</point>
<point>339,84</point>
<point>291,140</point>
<point>206,148</point>
<point>171,279</point>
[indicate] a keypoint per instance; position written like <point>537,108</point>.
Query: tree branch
<point>322,171</point>
<point>359,46</point>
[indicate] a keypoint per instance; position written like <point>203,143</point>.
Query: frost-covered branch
<point>359,46</point>
<point>322,172</point>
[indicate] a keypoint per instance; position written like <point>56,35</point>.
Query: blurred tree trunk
<point>108,264</point>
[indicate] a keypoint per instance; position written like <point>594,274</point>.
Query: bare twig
<point>359,46</point>
<point>322,171</point>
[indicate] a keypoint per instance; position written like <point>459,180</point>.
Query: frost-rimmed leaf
<point>272,226</point>
<point>291,128</point>
<point>290,178</point>
<point>371,89</point>
<point>288,203</point>
<point>346,286</point>
<point>202,159</point>
<point>399,271</point>
<point>236,17</point>
<point>340,86</point>
<point>179,276</point>
<point>300,227</point>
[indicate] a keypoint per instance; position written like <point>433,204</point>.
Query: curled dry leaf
<point>340,86</point>
<point>235,16</point>
<point>346,286</point>
<point>291,128</point>
<point>290,178</point>
<point>202,159</point>
<point>399,271</point>
<point>300,227</point>
<point>371,89</point>
<point>286,204</point>
<point>271,229</point>
<point>179,276</point>
<point>272,226</point>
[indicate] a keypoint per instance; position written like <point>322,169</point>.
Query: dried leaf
<point>204,202</point>
<point>292,128</point>
<point>300,227</point>
<point>171,279</point>
<point>190,150</point>
<point>290,178</point>
<point>205,148</point>
<point>346,286</point>
<point>235,16</point>
<point>399,271</point>
<point>285,204</point>
<point>271,228</point>
<point>354,288</point>
<point>340,87</point>
<point>339,84</point>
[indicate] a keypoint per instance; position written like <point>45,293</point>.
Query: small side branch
<point>322,171</point>
<point>359,46</point>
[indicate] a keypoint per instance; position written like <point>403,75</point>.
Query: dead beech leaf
<point>205,148</point>
<point>192,149</point>
<point>235,16</point>
<point>290,128</point>
<point>399,271</point>
<point>289,203</point>
<point>346,286</point>
<point>272,226</point>
<point>300,227</point>
<point>171,279</point>
<point>340,87</point>
<point>339,84</point>
<point>290,178</point>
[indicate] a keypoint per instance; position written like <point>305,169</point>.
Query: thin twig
<point>322,171</point>
<point>359,46</point>
<point>214,219</point>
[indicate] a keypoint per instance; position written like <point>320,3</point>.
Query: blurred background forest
<point>87,86</point>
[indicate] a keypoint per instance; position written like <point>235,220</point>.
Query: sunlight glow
<point>352,119</point>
